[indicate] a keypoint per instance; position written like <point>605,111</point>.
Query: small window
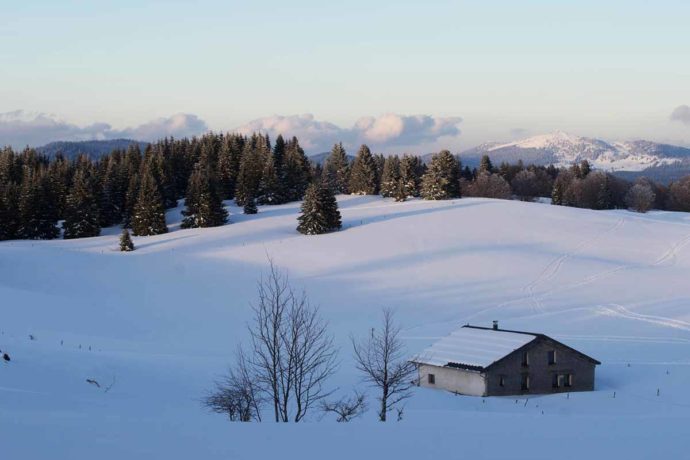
<point>431,378</point>
<point>525,382</point>
<point>552,356</point>
<point>568,380</point>
<point>525,359</point>
<point>554,380</point>
<point>502,380</point>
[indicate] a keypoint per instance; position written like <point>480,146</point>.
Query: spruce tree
<point>336,170</point>
<point>9,211</point>
<point>131,199</point>
<point>319,211</point>
<point>81,213</point>
<point>37,208</point>
<point>605,195</point>
<point>250,205</point>
<point>410,176</point>
<point>204,206</point>
<point>558,192</point>
<point>390,176</point>
<point>148,216</point>
<point>363,173</point>
<point>485,165</point>
<point>400,191</point>
<point>249,175</point>
<point>296,171</point>
<point>442,179</point>
<point>126,244</point>
<point>269,185</point>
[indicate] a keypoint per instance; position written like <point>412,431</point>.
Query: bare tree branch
<point>382,360</point>
<point>346,408</point>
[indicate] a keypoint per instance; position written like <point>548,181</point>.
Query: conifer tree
<point>379,161</point>
<point>390,176</point>
<point>410,175</point>
<point>249,175</point>
<point>204,206</point>
<point>400,191</point>
<point>131,199</point>
<point>126,244</point>
<point>336,170</point>
<point>363,173</point>
<point>148,216</point>
<point>558,192</point>
<point>605,195</point>
<point>9,211</point>
<point>250,205</point>
<point>485,165</point>
<point>320,212</point>
<point>442,179</point>
<point>226,182</point>
<point>81,213</point>
<point>37,209</point>
<point>296,171</point>
<point>269,185</point>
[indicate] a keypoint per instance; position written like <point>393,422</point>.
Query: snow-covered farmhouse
<point>488,361</point>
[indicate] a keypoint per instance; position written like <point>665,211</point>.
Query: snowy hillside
<point>158,325</point>
<point>563,149</point>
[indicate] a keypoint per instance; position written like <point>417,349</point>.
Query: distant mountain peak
<point>562,149</point>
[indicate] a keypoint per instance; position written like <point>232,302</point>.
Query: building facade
<point>480,361</point>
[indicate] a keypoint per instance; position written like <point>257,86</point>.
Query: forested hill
<point>93,149</point>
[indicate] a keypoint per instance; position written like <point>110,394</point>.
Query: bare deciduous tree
<point>238,394</point>
<point>346,408</point>
<point>640,197</point>
<point>381,358</point>
<point>293,354</point>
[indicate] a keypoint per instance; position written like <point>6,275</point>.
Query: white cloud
<point>312,134</point>
<point>20,128</point>
<point>681,114</point>
<point>381,133</point>
<point>178,125</point>
<point>386,133</point>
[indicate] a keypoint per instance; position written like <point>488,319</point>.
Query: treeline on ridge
<point>134,188</point>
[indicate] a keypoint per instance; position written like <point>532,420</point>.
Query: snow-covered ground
<point>159,324</point>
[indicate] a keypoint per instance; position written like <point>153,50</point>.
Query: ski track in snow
<point>554,267</point>
<point>621,311</point>
<point>672,253</point>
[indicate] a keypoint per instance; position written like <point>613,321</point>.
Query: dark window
<point>525,382</point>
<point>525,359</point>
<point>552,357</point>
<point>568,380</point>
<point>431,379</point>
<point>554,380</point>
<point>502,380</point>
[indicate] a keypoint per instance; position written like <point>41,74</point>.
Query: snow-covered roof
<point>473,347</point>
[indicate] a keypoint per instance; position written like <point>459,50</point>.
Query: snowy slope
<point>563,149</point>
<point>161,323</point>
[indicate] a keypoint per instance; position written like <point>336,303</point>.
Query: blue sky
<point>613,69</point>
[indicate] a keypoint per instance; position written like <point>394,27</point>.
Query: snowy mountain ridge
<point>563,149</point>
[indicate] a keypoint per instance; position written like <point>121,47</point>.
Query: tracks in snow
<point>620,311</point>
<point>554,267</point>
<point>672,253</point>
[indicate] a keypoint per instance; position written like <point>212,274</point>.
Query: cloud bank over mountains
<point>20,128</point>
<point>385,131</point>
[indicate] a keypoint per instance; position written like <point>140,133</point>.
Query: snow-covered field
<point>159,324</point>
